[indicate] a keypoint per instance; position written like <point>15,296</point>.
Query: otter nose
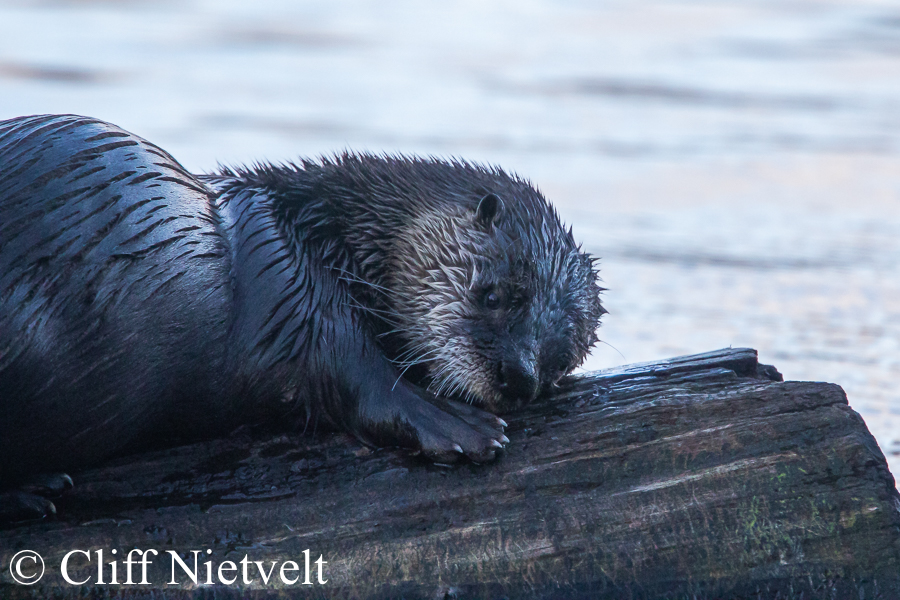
<point>520,381</point>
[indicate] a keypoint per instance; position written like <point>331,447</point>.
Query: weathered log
<point>700,476</point>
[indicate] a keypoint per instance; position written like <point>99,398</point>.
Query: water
<point>735,164</point>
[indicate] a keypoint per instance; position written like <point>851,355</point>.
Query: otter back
<point>114,293</point>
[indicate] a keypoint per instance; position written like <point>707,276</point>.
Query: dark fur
<point>139,301</point>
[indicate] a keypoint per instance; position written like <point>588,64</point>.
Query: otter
<point>404,300</point>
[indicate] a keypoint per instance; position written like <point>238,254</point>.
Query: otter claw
<point>502,423</point>
<point>48,484</point>
<point>504,439</point>
<point>16,507</point>
<point>446,431</point>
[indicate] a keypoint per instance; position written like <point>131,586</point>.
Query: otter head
<point>492,296</point>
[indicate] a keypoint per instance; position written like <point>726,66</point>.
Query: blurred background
<point>735,163</point>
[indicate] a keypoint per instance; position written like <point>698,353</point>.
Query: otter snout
<point>519,380</point>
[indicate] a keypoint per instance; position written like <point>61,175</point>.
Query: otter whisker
<point>407,364</point>
<point>405,330</point>
<point>403,356</point>
<point>353,278</point>
<point>605,343</point>
<point>418,360</point>
<point>383,314</point>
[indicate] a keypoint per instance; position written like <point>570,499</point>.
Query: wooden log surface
<point>701,476</point>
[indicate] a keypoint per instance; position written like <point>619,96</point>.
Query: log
<point>703,476</point>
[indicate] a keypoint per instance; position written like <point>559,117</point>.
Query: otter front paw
<point>17,507</point>
<point>29,502</point>
<point>445,434</point>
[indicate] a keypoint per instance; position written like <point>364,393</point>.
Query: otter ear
<point>489,208</point>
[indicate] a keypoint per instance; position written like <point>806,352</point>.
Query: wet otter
<point>386,295</point>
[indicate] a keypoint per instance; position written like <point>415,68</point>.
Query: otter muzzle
<point>520,383</point>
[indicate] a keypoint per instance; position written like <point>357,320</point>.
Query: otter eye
<point>492,301</point>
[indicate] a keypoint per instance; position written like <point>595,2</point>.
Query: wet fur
<point>138,301</point>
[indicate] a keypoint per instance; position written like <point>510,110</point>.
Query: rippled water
<point>736,164</point>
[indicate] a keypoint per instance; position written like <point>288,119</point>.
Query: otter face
<point>494,299</point>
